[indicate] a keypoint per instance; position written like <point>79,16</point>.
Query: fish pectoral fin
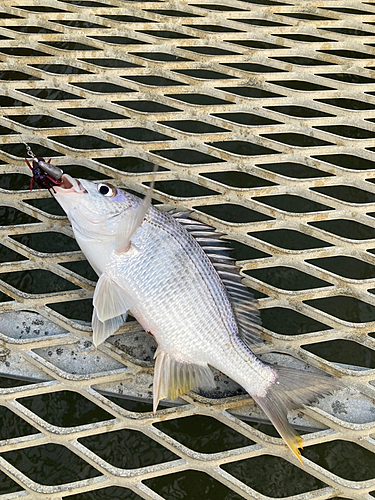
<point>173,378</point>
<point>132,220</point>
<point>110,300</point>
<point>103,329</point>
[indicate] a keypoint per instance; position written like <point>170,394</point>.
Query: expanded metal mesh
<point>260,115</point>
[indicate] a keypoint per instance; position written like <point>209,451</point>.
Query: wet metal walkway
<point>260,115</point>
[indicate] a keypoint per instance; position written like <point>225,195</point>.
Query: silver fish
<point>174,275</point>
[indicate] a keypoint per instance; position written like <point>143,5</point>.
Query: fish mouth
<point>70,185</point>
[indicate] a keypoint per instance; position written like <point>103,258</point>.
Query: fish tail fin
<point>293,389</point>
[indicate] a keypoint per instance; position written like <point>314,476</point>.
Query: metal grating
<point>260,116</point>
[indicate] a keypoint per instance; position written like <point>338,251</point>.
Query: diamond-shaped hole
<point>61,69</point>
<point>83,142</point>
<point>9,102</point>
<point>347,161</point>
<point>112,492</point>
<point>39,121</point>
<point>345,308</point>
<point>198,99</point>
<point>48,242</point>
<point>103,87</point>
<point>349,194</point>
<point>82,268</point>
<point>286,278</point>
<point>230,212</point>
<point>47,205</point>
<point>238,179</point>
<point>254,68</point>
<point>22,52</point>
<point>65,409</point>
<point>290,239</point>
<point>348,103</point>
<point>349,267</point>
<point>242,148</point>
<point>257,44</point>
<point>252,92</point>
<point>294,170</point>
<point>187,156</point>
<point>37,281</point>
<point>301,85</point>
<point>80,310</point>
<point>8,485</point>
<point>347,131</point>
<point>140,450</point>
<point>244,252</point>
<point>343,458</point>
<point>303,61</point>
<point>203,434</point>
<point>10,216</point>
<point>8,255</point>
<point>298,140</point>
<point>93,114</point>
<point>13,426</point>
<point>288,322</point>
<point>193,126</point>
<point>210,51</point>
<point>139,134</point>
<point>183,189</point>
<point>292,203</point>
<point>129,164</point>
<point>273,476</point>
<point>346,228</point>
<point>60,465</point>
<point>167,34</point>
<point>17,76</point>
<point>348,78</point>
<point>343,351</point>
<point>246,119</point>
<point>299,111</point>
<point>50,94</point>
<point>204,74</point>
<point>154,80</point>
<point>160,56</point>
<point>191,484</point>
<point>146,106</point>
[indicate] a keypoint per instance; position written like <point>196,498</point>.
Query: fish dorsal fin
<point>111,304</point>
<point>132,219</point>
<point>218,250</point>
<point>172,378</point>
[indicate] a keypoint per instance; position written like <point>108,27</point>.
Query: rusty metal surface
<point>280,95</point>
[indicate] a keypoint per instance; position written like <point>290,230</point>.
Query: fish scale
<point>174,275</point>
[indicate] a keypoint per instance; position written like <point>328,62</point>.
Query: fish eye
<point>107,189</point>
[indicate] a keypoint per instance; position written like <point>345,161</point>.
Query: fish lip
<point>70,185</point>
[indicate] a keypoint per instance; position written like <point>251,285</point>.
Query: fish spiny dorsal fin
<point>217,250</point>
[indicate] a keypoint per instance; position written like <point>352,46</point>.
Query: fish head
<point>94,209</point>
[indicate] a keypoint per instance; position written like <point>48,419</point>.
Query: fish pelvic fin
<point>132,220</point>
<point>111,304</point>
<point>103,329</point>
<point>293,389</point>
<point>172,378</point>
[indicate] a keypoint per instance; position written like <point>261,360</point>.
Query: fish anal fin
<point>110,300</point>
<point>172,378</point>
<point>103,329</point>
